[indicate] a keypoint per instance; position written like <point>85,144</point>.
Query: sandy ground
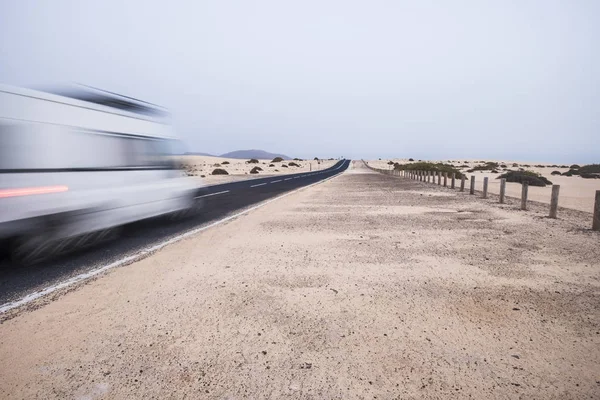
<point>575,192</point>
<point>203,166</point>
<point>363,287</point>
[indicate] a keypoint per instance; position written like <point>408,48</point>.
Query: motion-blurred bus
<point>74,166</point>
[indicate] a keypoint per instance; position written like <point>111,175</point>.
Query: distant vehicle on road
<point>74,167</point>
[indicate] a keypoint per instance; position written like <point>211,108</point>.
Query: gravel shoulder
<point>365,286</point>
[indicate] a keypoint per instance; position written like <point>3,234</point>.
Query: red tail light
<point>15,192</point>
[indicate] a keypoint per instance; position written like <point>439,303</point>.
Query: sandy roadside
<point>203,166</point>
<point>365,286</point>
<point>575,192</point>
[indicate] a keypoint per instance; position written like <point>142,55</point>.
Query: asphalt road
<point>219,202</point>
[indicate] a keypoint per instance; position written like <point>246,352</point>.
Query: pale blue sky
<point>423,79</point>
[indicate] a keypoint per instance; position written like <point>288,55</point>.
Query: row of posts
<point>430,177</point>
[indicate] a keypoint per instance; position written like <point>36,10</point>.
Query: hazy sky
<point>423,79</point>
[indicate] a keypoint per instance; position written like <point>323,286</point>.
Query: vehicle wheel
<point>27,251</point>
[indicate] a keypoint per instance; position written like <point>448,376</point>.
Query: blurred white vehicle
<point>73,167</point>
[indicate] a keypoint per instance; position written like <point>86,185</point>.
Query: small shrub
<point>390,163</point>
<point>298,159</point>
<point>255,170</point>
<point>277,159</point>
<point>555,173</point>
<point>284,166</point>
<point>276,170</point>
<point>590,169</point>
<point>532,178</point>
<point>317,158</point>
<point>589,176</point>
<point>464,166</point>
<point>202,176</point>
<point>488,166</point>
<point>216,165</point>
<point>219,171</point>
<point>574,166</point>
<point>271,165</point>
<point>515,165</point>
<point>503,166</point>
<point>571,172</point>
<point>293,164</point>
<point>252,161</point>
<point>411,159</point>
<point>225,162</point>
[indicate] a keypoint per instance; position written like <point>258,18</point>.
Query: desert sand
<point>362,287</point>
<point>203,166</point>
<point>575,192</point>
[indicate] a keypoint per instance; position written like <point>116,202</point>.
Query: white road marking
<point>287,179</point>
<point>276,181</point>
<point>212,194</point>
<point>142,254</point>
<point>260,184</point>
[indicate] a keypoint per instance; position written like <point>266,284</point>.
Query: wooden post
<point>524,190</point>
<point>439,174</point>
<point>472,190</point>
<point>485,187</point>
<point>453,180</point>
<point>596,221</point>
<point>554,201</point>
<point>462,183</point>
<point>445,179</point>
<point>502,190</point>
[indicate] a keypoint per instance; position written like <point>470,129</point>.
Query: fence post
<point>462,183</point>
<point>453,180</point>
<point>524,190</point>
<point>445,179</point>
<point>422,176</point>
<point>554,201</point>
<point>596,221</point>
<point>502,190</point>
<point>472,189</point>
<point>439,174</point>
<point>485,187</point>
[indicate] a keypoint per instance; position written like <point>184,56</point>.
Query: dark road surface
<point>219,202</point>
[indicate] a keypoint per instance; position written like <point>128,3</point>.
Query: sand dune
<point>575,192</point>
<point>203,166</point>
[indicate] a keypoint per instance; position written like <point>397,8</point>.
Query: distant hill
<point>195,153</point>
<point>259,154</point>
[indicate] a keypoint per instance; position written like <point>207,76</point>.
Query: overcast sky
<point>423,79</point>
